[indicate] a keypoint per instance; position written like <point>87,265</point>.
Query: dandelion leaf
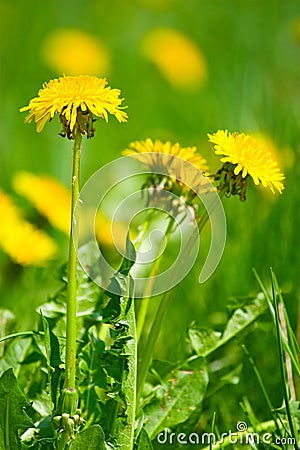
<point>13,417</point>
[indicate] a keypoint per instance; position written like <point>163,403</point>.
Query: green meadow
<point>250,51</point>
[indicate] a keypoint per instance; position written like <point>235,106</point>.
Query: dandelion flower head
<point>77,99</point>
<point>158,155</point>
<point>174,168</point>
<point>248,157</point>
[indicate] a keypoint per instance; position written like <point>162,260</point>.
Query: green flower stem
<point>149,347</point>
<point>142,310</point>
<point>141,332</point>
<point>157,322</point>
<point>148,289</point>
<point>72,269</point>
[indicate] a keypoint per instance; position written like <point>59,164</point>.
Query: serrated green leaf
<point>88,293</point>
<point>109,374</point>
<point>13,418</point>
<point>125,434</point>
<point>176,399</point>
<point>90,439</point>
<point>121,286</point>
<point>143,442</point>
<point>93,374</point>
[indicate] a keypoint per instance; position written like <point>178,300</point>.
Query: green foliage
<point>176,395</point>
<point>13,417</point>
<point>173,402</point>
<point>206,341</point>
<point>144,442</point>
<point>107,370</point>
<point>91,438</point>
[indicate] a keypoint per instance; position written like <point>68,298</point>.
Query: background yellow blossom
<point>51,198</point>
<point>177,57</point>
<point>75,52</point>
<point>22,241</point>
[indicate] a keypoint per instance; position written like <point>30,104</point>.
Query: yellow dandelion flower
<point>177,57</point>
<point>61,48</point>
<point>22,241</point>
<point>249,157</point>
<point>170,171</point>
<point>51,198</point>
<point>151,154</point>
<point>77,99</point>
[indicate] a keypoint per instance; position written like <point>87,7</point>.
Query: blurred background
<point>185,68</point>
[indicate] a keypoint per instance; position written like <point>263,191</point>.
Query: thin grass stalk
<point>263,389</point>
<point>287,348</point>
<point>282,364</point>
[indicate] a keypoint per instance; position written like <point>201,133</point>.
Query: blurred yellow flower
<point>248,157</point>
<point>76,100</point>
<point>177,57</point>
<point>110,234</point>
<point>283,155</point>
<point>51,198</point>
<point>23,242</point>
<point>296,29</point>
<point>74,52</point>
